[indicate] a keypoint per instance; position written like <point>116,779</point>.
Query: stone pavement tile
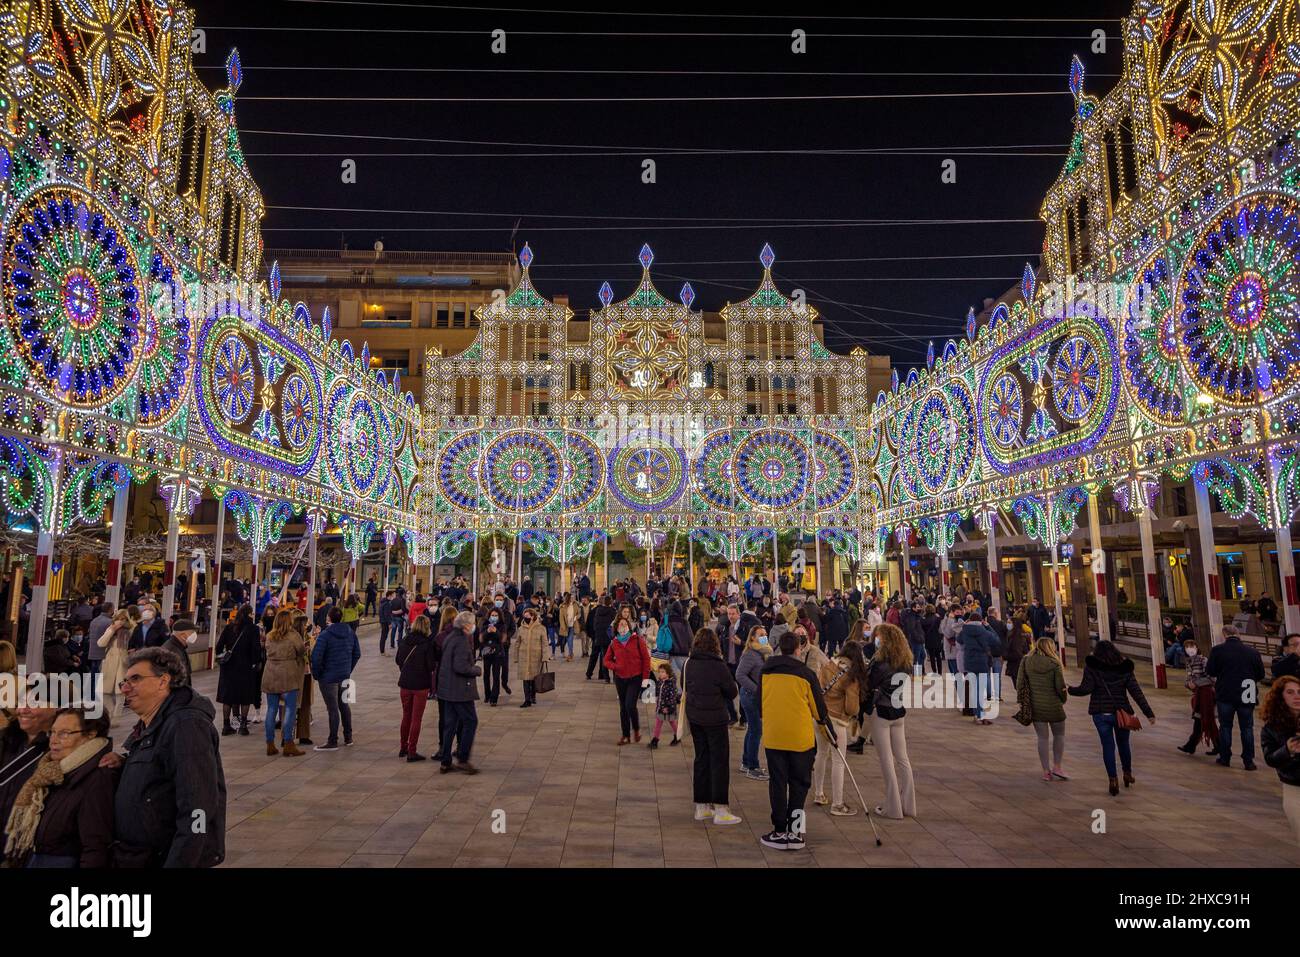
<point>573,798</point>
<point>373,860</point>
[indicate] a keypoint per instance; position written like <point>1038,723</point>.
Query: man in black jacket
<point>835,627</point>
<point>602,616</point>
<point>457,692</point>
<point>1237,671</point>
<point>1288,662</point>
<point>170,806</point>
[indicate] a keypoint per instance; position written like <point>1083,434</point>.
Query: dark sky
<point>842,224</point>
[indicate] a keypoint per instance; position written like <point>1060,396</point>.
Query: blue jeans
<point>1245,715</point>
<point>568,643</point>
<point>996,679</point>
<point>918,656</point>
<point>399,629</point>
<point>290,714</point>
<point>753,729</point>
<point>1112,735</point>
<point>553,637</point>
<point>1175,656</point>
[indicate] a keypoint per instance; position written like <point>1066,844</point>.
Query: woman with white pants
<point>893,657</point>
<point>842,679</point>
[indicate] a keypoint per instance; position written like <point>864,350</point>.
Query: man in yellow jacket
<point>791,703</point>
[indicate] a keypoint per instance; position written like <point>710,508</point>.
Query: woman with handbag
<point>282,679</point>
<point>1108,678</point>
<point>1040,688</point>
<point>239,653</point>
<point>843,680</point>
<point>707,687</point>
<point>530,653</point>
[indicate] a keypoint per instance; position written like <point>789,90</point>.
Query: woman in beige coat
<point>113,669</point>
<point>530,653</point>
<point>286,655</point>
<point>570,624</point>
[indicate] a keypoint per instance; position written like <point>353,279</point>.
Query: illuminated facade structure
<point>135,342</point>
<point>125,204</point>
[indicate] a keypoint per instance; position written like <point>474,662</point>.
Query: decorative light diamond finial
<point>326,326</point>
<point>893,379</point>
<point>526,256</point>
<point>234,70</point>
<point>688,295</point>
<point>929,355</point>
<point>1076,76</point>
<point>767,257</point>
<point>970,324</point>
<point>275,281</point>
<point>1028,283</point>
<point>647,256</point>
<point>606,294</point>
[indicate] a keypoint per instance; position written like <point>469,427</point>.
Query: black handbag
<point>544,681</point>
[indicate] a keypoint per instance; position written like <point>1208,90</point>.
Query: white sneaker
<point>703,812</point>
<point>723,815</point>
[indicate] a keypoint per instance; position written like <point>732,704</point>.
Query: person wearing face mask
<point>530,652</point>
<point>183,635</point>
<point>629,659</point>
<point>1205,724</point>
<point>151,632</point>
<point>509,622</point>
<point>492,647</point>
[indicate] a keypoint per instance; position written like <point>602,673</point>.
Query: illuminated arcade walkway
<point>572,798</point>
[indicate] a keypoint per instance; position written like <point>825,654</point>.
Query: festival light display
<point>135,340</point>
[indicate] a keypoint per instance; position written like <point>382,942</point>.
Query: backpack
<point>664,639</point>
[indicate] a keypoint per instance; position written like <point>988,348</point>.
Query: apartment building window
<point>426,314</point>
<point>391,364</point>
<point>444,316</point>
<point>458,315</point>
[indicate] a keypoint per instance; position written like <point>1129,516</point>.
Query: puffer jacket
<point>749,670</point>
<point>709,686</point>
<point>1046,682</point>
<point>980,645</point>
<point>172,777</point>
<point>1110,687</point>
<point>682,637</point>
<point>336,653</point>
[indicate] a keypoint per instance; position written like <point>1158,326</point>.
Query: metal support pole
<point>474,573</point>
<point>1056,600</point>
<point>1098,567</point>
<point>995,567</point>
<point>169,561</point>
<point>40,604</point>
<point>1209,561</point>
<point>214,579</point>
<point>776,565</point>
<point>907,567</point>
<point>817,575</point>
<point>1151,587</point>
<point>1286,569</point>
<point>117,546</point>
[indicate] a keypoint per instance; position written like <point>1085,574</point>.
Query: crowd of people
<point>803,681</point>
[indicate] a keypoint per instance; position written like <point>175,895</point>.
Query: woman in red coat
<point>629,659</point>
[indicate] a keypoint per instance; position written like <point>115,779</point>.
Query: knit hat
<point>183,624</point>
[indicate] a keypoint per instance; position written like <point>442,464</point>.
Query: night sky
<point>835,185</point>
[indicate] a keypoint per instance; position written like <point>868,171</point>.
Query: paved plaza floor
<point>556,791</point>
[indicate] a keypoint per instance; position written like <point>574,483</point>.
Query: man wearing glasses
<point>170,807</point>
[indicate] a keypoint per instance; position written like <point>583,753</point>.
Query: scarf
<point>624,638</point>
<point>30,803</point>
